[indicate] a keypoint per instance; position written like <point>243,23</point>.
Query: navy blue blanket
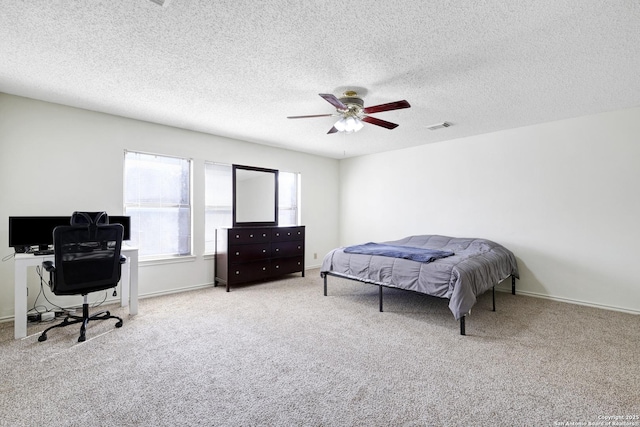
<point>395,251</point>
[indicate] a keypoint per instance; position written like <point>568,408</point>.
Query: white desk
<point>128,285</point>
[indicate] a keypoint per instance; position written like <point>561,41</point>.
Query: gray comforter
<point>476,266</point>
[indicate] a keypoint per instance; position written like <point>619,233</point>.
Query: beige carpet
<point>282,354</point>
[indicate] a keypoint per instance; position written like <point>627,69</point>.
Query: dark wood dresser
<point>248,254</point>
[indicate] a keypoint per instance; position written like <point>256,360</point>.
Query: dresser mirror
<point>255,196</point>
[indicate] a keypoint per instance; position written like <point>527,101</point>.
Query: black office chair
<point>86,259</point>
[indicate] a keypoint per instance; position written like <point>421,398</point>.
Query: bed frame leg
<point>380,298</point>
<point>462,325</point>
<point>493,295</point>
<point>324,276</point>
<point>513,285</point>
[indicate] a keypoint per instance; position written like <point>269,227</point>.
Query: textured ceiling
<point>238,68</point>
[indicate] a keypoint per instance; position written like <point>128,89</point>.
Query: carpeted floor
<point>282,354</point>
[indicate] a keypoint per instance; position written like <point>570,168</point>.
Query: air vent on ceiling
<point>439,126</point>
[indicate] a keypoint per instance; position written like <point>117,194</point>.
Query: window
<point>157,196</point>
<point>288,183</point>
<point>219,197</point>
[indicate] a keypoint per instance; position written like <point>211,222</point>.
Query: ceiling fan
<point>352,112</point>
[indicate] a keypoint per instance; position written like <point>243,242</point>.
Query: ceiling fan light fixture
<point>356,124</point>
<point>349,124</point>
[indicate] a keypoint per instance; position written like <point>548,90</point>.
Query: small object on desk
<point>44,252</point>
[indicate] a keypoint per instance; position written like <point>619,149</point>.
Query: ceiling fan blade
<point>332,130</point>
<point>331,99</point>
<point>306,117</point>
<point>386,107</point>
<point>378,122</point>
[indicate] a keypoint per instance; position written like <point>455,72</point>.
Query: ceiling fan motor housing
<point>354,104</point>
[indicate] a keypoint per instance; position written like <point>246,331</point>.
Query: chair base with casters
<point>84,319</point>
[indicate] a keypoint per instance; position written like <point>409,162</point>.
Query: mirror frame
<point>273,223</point>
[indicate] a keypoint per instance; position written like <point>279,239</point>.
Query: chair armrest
<point>48,265</point>
<point>123,259</point>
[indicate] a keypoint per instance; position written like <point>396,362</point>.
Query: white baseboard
<point>175,291</point>
<point>6,319</point>
<point>570,300</point>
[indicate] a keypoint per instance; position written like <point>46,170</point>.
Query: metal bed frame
<point>381,285</point>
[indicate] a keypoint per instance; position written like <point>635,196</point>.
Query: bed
<point>462,269</point>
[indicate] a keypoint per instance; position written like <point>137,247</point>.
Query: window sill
<point>166,260</point>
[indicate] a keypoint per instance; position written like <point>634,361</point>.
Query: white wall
<point>56,159</point>
<point>563,196</point>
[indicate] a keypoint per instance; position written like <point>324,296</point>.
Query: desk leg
<point>124,283</point>
<point>20,304</point>
<point>133,282</point>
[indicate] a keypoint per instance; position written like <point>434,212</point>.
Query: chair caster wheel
<point>119,324</point>
<point>42,337</point>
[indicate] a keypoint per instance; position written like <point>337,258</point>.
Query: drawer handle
<point>299,247</point>
<point>264,250</point>
<point>264,234</point>
<point>277,250</point>
<point>264,268</point>
<point>250,235</point>
<point>237,236</point>
<point>237,272</point>
<point>237,253</point>
<point>288,234</point>
<point>277,266</point>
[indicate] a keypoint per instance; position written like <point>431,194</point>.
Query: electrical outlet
<point>315,255</point>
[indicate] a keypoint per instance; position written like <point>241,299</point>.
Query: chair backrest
<point>81,218</point>
<point>87,256</point>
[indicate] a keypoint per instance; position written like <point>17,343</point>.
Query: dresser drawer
<point>244,253</point>
<point>249,235</point>
<point>280,234</point>
<point>287,265</point>
<point>249,272</point>
<point>284,249</point>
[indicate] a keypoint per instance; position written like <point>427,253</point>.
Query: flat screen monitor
<point>27,231</point>
<point>126,223</point>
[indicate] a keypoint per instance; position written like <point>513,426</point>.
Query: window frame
<point>159,257</point>
<point>220,208</point>
<point>297,179</point>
